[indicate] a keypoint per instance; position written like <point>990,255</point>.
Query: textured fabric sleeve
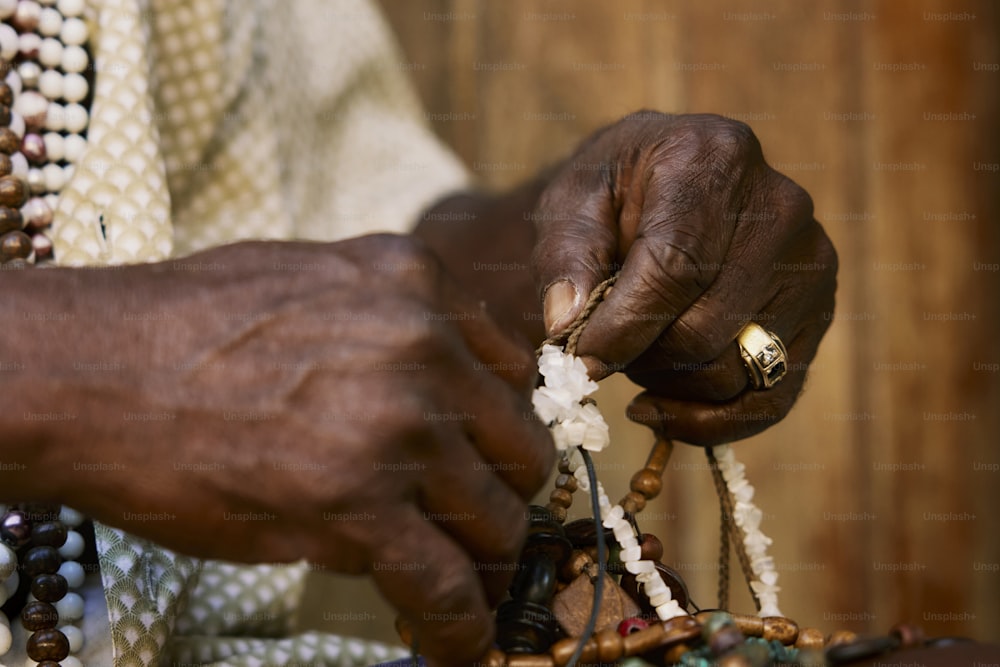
<point>360,155</point>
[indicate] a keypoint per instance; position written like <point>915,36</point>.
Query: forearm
<point>486,241</point>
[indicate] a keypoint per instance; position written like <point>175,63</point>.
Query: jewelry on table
<point>566,608</point>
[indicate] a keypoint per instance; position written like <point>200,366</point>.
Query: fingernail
<point>560,300</point>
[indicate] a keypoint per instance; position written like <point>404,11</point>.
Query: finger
<point>577,241</point>
<point>789,250</point>
<point>706,423</point>
<point>463,495</point>
<point>674,259</point>
<point>431,582</point>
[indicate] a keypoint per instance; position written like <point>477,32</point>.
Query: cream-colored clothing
<point>219,120</point>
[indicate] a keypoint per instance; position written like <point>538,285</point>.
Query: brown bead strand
<point>647,483</point>
<point>561,498</point>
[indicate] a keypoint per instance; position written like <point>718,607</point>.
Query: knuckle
<point>689,341</point>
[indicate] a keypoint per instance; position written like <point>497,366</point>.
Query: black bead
<point>39,616</point>
<point>40,560</point>
<point>49,587</point>
<point>525,627</point>
<point>49,534</point>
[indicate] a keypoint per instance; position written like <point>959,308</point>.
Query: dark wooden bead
<point>48,663</point>
<point>39,616</point>
<point>50,644</point>
<point>15,529</point>
<point>6,165</point>
<point>583,533</point>
<point>545,534</point>
<point>13,193</point>
<point>9,142</point>
<point>4,114</point>
<point>650,548</point>
<point>634,502</point>
<point>10,220</point>
<point>49,587</point>
<point>49,534</point>
<point>6,94</point>
<point>40,560</point>
<point>14,245</point>
<point>567,482</point>
<point>561,497</point>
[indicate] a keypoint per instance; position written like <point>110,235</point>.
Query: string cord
<point>595,505</point>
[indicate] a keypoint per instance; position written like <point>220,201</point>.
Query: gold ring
<point>764,355</point>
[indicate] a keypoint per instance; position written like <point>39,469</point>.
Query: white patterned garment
<point>219,120</point>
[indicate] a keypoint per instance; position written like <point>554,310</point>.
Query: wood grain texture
<point>881,489</point>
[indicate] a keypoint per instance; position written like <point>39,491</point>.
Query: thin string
<point>713,465</point>
<point>595,504</point>
<point>569,336</point>
<point>726,505</point>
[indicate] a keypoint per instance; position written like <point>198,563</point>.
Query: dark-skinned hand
<point>343,403</point>
<point>707,237</point>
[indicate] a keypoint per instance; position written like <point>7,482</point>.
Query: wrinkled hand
<point>707,238</point>
<point>343,403</point>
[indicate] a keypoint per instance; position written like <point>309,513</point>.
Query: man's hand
<point>267,402</point>
<point>707,238</point>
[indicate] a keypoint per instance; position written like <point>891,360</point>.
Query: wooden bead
<point>49,587</point>
<point>10,220</point>
<point>783,629</point>
<point>841,637</point>
<point>563,650</point>
<point>751,626</point>
<point>48,644</point>
<point>650,547</point>
<point>9,142</point>
<point>564,466</point>
<point>809,638</point>
<point>4,115</point>
<point>6,166</point>
<point>40,560</point>
<point>561,497</point>
<point>558,513</point>
<point>49,534</point>
<point>633,502</point>
<point>577,563</point>
<point>39,616</point>
<point>568,482</point>
<point>646,482</point>
<point>6,94</point>
<point>609,645</point>
<point>13,194</point>
<point>14,245</point>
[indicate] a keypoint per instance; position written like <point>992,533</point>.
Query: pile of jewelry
<point>44,97</point>
<point>39,548</point>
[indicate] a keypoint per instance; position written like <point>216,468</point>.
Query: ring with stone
<point>764,355</point>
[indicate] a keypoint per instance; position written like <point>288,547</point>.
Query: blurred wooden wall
<point>882,488</point>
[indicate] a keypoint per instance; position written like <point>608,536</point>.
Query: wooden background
<point>881,489</point>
